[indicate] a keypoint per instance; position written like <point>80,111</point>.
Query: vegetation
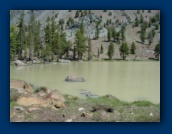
<point>143,32</point>
<point>157,51</point>
<point>49,42</point>
<point>80,41</point>
<point>133,48</point>
<point>109,34</point>
<point>136,22</point>
<point>89,49</point>
<point>110,51</point>
<point>124,50</point>
<point>13,42</point>
<point>150,37</point>
<point>123,29</point>
<point>101,49</point>
<point>21,34</point>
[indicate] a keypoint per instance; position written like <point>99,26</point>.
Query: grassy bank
<point>102,109</point>
<point>115,110</point>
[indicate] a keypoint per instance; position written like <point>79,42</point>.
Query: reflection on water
<point>127,81</point>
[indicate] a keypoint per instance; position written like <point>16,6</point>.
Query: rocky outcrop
<point>74,79</point>
<point>55,95</point>
<point>21,86</point>
<point>64,61</point>
<point>19,63</point>
<point>23,94</point>
<point>29,100</point>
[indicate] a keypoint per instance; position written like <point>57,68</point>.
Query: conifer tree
<point>133,48</point>
<point>110,51</point>
<point>21,34</point>
<point>101,51</point>
<point>89,49</point>
<point>157,51</point>
<point>13,42</point>
<point>124,50</point>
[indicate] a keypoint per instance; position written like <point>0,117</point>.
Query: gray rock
<point>92,95</point>
<point>19,63</point>
<point>19,109</point>
<point>64,61</point>
<point>74,79</point>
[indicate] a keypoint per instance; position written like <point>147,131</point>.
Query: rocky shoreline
<point>29,103</point>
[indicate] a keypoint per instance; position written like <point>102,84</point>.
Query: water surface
<point>128,81</point>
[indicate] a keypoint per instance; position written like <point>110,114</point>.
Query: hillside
<point>117,18</point>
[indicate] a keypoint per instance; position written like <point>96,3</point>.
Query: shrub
<point>14,94</point>
<point>110,13</point>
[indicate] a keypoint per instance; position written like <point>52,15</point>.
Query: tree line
<point>31,40</point>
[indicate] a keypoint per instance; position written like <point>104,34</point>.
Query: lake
<point>126,80</point>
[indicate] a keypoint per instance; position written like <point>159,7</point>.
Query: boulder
<point>19,109</point>
<point>90,95</point>
<point>21,86</point>
<point>59,104</point>
<point>42,90</point>
<point>30,109</point>
<point>74,79</point>
<point>64,61</point>
<point>55,95</point>
<point>29,100</point>
<point>19,63</point>
<point>36,61</point>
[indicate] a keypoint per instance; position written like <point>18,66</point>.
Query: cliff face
<point>116,17</point>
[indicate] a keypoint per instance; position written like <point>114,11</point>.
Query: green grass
<point>142,103</point>
<point>13,104</point>
<point>106,101</point>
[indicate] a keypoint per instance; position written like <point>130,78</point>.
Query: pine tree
<point>124,50</point>
<point>141,18</point>
<point>113,33</point>
<point>67,47</point>
<point>98,53</point>
<point>47,30</point>
<point>153,32</point>
<point>53,33</point>
<point>117,36</point>
<point>38,42</point>
<point>157,27</point>
<point>89,49</point>
<point>109,34</point>
<point>77,14</point>
<point>157,51</point>
<point>101,51</point>
<point>143,32</point>
<point>97,30</point>
<point>21,34</point>
<point>143,36</point>
<point>13,42</point>
<point>136,22</point>
<point>58,47</point>
<point>110,51</point>
<point>123,32</point>
<point>31,35</point>
<point>150,37</point>
<point>133,48</point>
<point>80,41</point>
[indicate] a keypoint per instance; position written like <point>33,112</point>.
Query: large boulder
<point>35,100</point>
<point>74,79</point>
<point>55,95</point>
<point>29,100</point>
<point>19,63</point>
<point>21,86</point>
